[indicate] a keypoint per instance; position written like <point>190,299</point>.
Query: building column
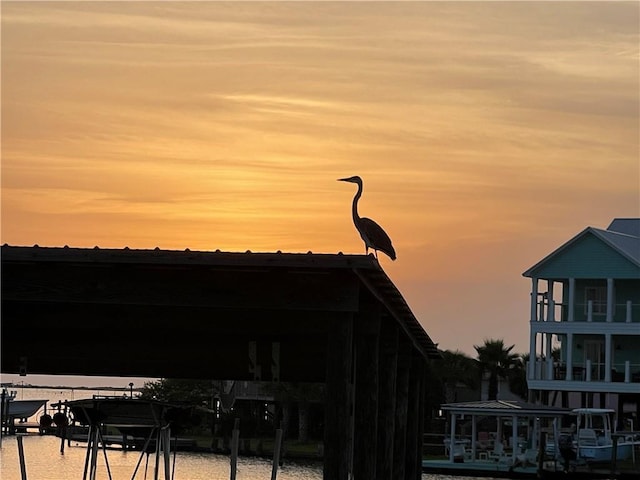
<point>607,357</point>
<point>627,373</point>
<point>610,305</point>
<point>532,353</point>
<point>534,299</point>
<point>452,435</point>
<point>474,435</point>
<point>549,359</point>
<point>569,356</point>
<point>572,299</point>
<point>514,438</point>
<point>551,304</point>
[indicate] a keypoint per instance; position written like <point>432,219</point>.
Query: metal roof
<point>626,244</point>
<point>504,407</point>
<point>618,237</point>
<point>628,226</point>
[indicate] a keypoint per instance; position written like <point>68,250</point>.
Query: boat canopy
<point>592,411</point>
<point>24,408</point>
<point>505,407</point>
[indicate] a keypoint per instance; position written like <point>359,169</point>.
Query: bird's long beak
<point>343,179</point>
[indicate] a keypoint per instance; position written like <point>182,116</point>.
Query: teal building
<point>585,321</point>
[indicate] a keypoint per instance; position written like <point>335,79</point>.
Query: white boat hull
<point>603,453</point>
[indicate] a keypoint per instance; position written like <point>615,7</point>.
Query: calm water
<point>44,461</point>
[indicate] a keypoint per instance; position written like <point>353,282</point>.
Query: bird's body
<point>372,234</point>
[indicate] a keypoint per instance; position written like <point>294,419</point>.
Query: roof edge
<point>599,233</point>
<point>528,272</point>
<point>187,256</point>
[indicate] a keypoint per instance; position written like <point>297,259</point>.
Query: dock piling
<point>542,439</point>
<point>276,454</point>
<point>3,396</point>
<point>23,467</point>
<point>235,438</point>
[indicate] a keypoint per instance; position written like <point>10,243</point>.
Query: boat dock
<point>512,439</point>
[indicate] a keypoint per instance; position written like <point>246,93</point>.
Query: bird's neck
<point>354,206</point>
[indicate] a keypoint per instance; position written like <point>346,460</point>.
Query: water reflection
<point>43,460</point>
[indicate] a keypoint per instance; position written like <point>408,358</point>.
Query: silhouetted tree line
<point>494,361</point>
<point>299,406</point>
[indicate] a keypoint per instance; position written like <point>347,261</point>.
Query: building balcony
<point>546,310</point>
<point>588,377</point>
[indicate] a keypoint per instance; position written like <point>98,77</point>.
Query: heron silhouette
<point>372,234</point>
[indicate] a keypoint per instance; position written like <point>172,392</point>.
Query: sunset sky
<point>487,134</point>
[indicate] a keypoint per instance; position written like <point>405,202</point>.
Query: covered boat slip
<point>494,438</point>
<point>152,419</point>
<point>336,319</point>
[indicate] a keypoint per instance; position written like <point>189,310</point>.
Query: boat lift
<point>153,417</point>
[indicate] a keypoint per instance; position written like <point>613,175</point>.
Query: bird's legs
<point>366,251</point>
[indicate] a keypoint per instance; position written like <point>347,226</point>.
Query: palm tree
<point>495,359</point>
<point>457,368</point>
<point>518,376</point>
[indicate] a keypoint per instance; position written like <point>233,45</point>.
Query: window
<point>597,295</point>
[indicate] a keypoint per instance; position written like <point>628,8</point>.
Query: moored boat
<point>595,437</point>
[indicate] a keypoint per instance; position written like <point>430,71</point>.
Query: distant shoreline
<point>64,387</point>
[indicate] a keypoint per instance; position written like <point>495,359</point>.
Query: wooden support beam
<point>402,398</point>
<point>338,427</point>
<point>179,285</point>
<point>203,342</point>
<point>413,467</point>
<point>387,374</point>
<point>367,337</point>
<point>422,392</point>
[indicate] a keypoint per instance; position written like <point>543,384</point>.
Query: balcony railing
<point>626,372</point>
<point>550,311</point>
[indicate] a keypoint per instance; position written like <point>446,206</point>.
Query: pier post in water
<point>3,396</point>
<point>276,454</point>
<point>614,454</point>
<point>23,467</point>
<point>235,439</point>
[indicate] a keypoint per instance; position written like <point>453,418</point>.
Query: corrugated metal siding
<point>588,257</point>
